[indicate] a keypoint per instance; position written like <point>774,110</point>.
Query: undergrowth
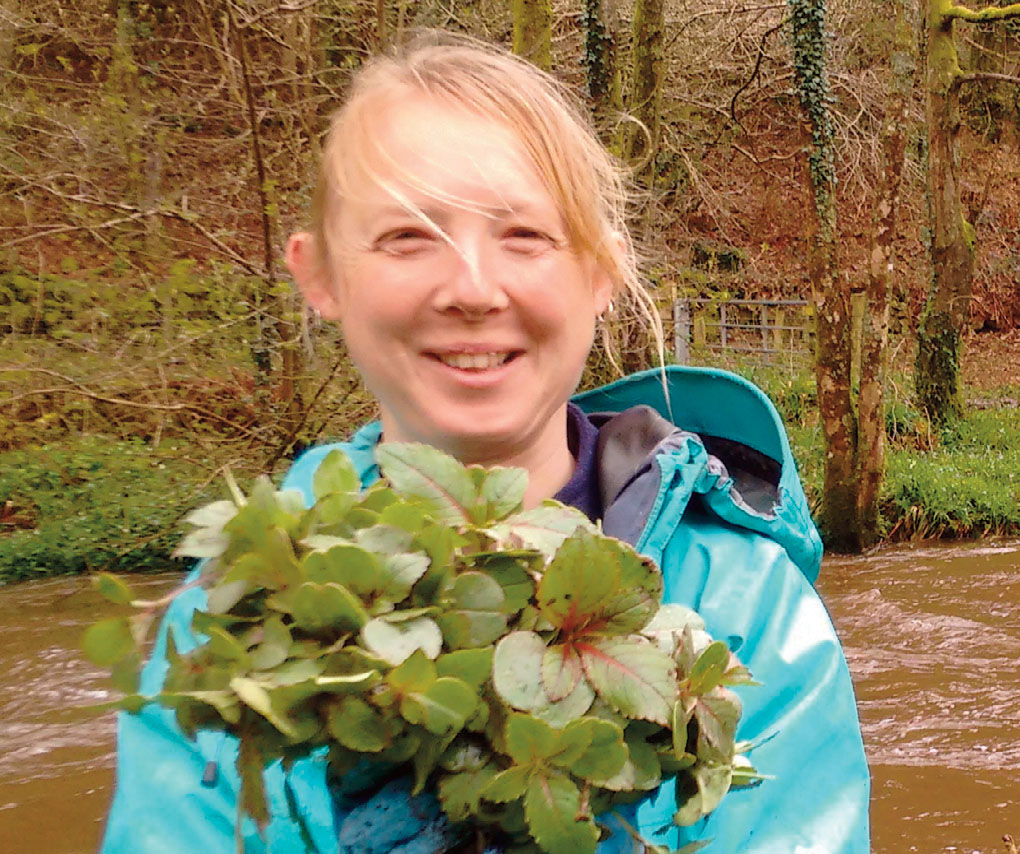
<point>94,503</point>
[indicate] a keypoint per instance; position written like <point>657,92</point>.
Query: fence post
<point>722,326</point>
<point>681,331</point>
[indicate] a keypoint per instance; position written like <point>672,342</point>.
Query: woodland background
<point>154,156</point>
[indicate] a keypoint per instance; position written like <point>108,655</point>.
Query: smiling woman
<point>468,230</point>
<point>467,308</point>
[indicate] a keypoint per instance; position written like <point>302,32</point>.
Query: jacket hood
<point>717,434</point>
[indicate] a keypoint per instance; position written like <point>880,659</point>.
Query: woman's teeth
<point>474,361</point>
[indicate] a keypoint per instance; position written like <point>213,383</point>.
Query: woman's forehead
<point>427,150</point>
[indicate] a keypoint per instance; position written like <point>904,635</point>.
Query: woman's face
<point>471,324</point>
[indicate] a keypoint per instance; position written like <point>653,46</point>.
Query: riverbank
<point>89,502</point>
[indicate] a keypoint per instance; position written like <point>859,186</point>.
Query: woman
<point>468,234</point>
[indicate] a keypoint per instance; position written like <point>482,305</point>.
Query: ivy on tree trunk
<point>830,292</point>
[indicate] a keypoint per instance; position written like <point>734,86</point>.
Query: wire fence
<point>768,331</point>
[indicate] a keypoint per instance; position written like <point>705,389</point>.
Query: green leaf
<point>401,572</point>
<point>508,785</point>
<point>473,666</point>
<point>112,588</point>
<point>225,595</point>
<point>222,644</point>
<point>561,671</point>
<point>551,807</point>
<point>709,668</point>
<point>631,675</point>
<point>107,642</point>
<point>214,515</point>
<point>529,741</point>
<point>574,705</point>
<point>348,683</point>
<point>335,474</point>
<point>577,584</point>
<point>395,642</point>
<point>717,715</point>
<point>641,772</point>
<point>429,473</point>
<point>254,695</point>
<point>274,646</point>
<point>572,742</point>
<point>476,619</point>
<point>357,726</point>
<point>415,674</point>
<point>508,570</point>
<point>543,528</point>
<point>202,543</point>
<point>503,492</point>
<point>459,793</point>
<point>442,708</point>
<point>326,606</point>
<point>354,567</point>
<point>640,591</point>
<point>604,755</point>
<point>517,670</point>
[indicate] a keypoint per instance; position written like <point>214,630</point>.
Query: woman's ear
<point>304,260</point>
<point>602,284</point>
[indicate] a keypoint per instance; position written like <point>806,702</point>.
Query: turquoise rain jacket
<point>718,505</point>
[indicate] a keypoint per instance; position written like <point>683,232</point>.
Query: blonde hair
<point>590,187</point>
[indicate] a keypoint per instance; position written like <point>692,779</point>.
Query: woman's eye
<point>404,241</point>
<point>527,239</point>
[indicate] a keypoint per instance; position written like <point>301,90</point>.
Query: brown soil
<point>991,361</point>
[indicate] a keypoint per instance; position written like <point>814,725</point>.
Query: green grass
<point>94,503</point>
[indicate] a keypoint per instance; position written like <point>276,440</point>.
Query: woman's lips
<point>474,360</point>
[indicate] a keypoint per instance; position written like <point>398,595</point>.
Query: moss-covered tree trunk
<point>875,331</point>
<point>533,31</point>
<point>645,100</point>
<point>830,292</point>
<point>940,338</point>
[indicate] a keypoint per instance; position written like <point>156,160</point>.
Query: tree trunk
<point>939,341</point>
<point>602,71</point>
<point>830,292</point>
<point>533,31</point>
<point>648,66</point>
<point>875,333</point>
<point>940,338</point>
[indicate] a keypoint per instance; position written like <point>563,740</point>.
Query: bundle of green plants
<point>518,662</point>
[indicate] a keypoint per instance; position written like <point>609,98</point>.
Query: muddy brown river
<point>932,634</point>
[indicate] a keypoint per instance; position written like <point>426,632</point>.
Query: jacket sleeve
<point>176,795</point>
<point>802,719</point>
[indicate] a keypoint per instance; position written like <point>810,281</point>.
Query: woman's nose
<point>473,283</point>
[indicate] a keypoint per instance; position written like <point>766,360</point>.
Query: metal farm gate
<point>767,331</point>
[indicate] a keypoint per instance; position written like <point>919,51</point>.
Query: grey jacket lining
<point>627,446</point>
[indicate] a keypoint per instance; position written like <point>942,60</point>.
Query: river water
<point>932,635</point>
